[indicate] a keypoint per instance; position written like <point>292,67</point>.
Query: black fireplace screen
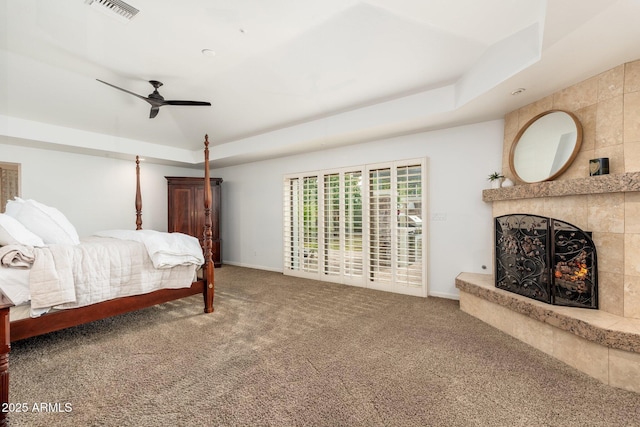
<point>546,259</point>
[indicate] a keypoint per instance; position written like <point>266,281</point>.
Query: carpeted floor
<point>281,351</point>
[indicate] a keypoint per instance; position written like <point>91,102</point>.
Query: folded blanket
<point>16,256</point>
<point>166,250</point>
<point>51,280</point>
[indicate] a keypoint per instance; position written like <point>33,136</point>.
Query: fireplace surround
<point>603,343</point>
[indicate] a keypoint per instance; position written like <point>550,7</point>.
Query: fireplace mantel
<point>616,183</point>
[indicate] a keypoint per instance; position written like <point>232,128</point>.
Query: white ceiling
<point>289,75</point>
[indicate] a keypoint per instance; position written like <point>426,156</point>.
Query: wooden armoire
<point>186,210</point>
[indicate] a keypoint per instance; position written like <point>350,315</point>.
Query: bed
<point>60,315</point>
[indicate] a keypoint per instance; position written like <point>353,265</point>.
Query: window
<point>9,182</point>
<point>360,226</point>
<point>301,224</point>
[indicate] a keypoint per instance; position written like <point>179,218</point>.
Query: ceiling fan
<point>155,99</point>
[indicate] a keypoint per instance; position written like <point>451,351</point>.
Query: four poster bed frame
<point>31,327</point>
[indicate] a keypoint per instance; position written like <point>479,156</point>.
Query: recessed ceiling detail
<point>289,76</point>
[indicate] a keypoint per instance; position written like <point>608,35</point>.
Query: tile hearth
<point>600,344</point>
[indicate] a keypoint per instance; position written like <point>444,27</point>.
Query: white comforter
<point>99,269</point>
<point>165,249</point>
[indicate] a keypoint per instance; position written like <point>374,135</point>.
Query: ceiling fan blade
<point>124,90</point>
<point>202,103</point>
<point>154,111</point>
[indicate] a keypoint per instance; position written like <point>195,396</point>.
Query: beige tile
<point>571,209</point>
<point>632,156</point>
<point>530,331</point>
<point>586,356</point>
<point>610,292</point>
<point>632,297</point>
<point>611,83</point>
<point>587,117</point>
<point>530,206</point>
<point>537,334</point>
<point>632,212</point>
<point>609,122</point>
<point>507,143</point>
<point>577,96</point>
<point>469,303</point>
<point>579,168</point>
<point>632,76</point>
<point>606,212</point>
<point>528,112</point>
<point>610,250</point>
<point>511,125</point>
<point>624,370</point>
<point>500,207</point>
<point>632,254</point>
<point>493,314</point>
<point>506,168</point>
<point>632,117</point>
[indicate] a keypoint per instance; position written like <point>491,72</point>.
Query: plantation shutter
<point>343,228</point>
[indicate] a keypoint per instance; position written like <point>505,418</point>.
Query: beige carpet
<point>281,351</point>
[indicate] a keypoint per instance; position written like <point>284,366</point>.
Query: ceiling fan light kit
<point>156,100</point>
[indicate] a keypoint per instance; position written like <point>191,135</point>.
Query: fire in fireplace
<point>546,259</point>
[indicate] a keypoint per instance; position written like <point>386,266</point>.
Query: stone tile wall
<point>608,106</point>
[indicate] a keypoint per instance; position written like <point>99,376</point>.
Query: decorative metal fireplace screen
<point>546,259</point>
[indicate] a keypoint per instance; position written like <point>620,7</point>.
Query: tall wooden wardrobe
<point>186,209</point>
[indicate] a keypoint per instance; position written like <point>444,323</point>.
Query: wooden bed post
<point>138,196</point>
<point>208,234</point>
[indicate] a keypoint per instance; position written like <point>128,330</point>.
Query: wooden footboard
<point>26,328</point>
<point>63,319</point>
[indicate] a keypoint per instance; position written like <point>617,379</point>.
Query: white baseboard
<point>257,267</point>
<point>445,295</point>
<point>276,270</point>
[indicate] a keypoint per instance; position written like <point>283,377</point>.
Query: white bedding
<point>165,249</point>
<point>101,268</point>
<point>15,284</point>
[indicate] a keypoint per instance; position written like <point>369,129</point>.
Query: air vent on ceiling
<point>115,8</point>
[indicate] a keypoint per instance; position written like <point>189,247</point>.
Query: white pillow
<point>47,222</point>
<point>13,207</point>
<point>14,233</point>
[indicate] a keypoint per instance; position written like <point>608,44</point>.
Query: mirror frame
<point>569,161</point>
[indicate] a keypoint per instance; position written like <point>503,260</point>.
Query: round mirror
<point>545,147</point>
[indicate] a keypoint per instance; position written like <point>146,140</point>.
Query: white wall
<point>97,193</point>
<point>94,193</point>
<point>461,228</point>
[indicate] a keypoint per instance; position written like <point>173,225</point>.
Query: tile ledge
<point>603,328</point>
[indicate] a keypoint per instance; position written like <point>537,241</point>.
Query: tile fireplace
<point>603,343</point>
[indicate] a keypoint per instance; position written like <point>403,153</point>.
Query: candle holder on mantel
<point>599,166</point>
